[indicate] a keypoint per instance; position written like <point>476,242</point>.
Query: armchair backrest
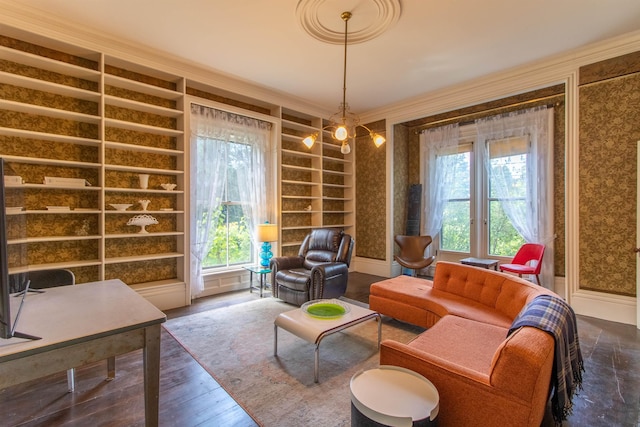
<point>326,245</point>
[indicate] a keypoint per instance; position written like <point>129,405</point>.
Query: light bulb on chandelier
<point>348,121</point>
<point>345,148</point>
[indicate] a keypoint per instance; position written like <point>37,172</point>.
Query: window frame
<point>478,206</point>
<point>212,275</point>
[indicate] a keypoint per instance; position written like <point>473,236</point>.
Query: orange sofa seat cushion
<point>462,342</point>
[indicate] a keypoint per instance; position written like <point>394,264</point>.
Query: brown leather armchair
<point>411,254</point>
<point>320,270</point>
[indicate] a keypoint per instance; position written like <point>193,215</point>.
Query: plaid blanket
<point>553,315</point>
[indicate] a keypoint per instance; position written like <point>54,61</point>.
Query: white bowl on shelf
<point>120,206</point>
<point>169,187</point>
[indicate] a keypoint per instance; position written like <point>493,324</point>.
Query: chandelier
<point>344,123</point>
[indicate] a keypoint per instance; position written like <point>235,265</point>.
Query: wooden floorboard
<point>189,396</point>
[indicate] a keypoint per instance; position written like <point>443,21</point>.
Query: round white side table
<point>392,396</point>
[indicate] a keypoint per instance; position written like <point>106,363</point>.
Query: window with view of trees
<point>456,220</point>
<point>229,233</point>
<point>229,192</point>
<point>508,159</point>
<point>489,186</point>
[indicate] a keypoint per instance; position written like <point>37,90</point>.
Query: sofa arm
<point>527,354</point>
<point>329,280</point>
<point>467,397</point>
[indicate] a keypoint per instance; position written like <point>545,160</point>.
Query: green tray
<point>325,309</point>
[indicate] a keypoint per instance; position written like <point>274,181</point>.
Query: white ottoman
<point>392,396</point>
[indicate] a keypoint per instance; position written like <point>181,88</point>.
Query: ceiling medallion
<point>374,17</point>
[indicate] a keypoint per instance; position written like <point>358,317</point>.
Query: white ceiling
<point>434,44</point>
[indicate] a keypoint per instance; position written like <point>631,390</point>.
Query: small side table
<point>262,273</point>
<point>393,396</point>
<point>479,262</point>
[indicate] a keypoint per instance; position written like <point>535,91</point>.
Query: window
<point>491,183</point>
<point>508,165</point>
<point>456,219</point>
<point>229,235</point>
<point>508,175</point>
<point>229,192</point>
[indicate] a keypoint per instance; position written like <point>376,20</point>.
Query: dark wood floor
<point>189,396</point>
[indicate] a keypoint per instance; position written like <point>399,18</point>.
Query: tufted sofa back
<point>506,293</point>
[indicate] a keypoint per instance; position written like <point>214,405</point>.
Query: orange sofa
<point>483,377</point>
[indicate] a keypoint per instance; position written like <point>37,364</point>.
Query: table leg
<point>316,363</point>
<point>250,281</point>
<point>275,340</point>
<point>261,284</point>
<point>111,368</point>
<point>379,319</point>
<point>151,362</point>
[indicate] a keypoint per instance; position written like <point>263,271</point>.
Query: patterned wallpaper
<point>609,131</point>
<point>401,180</point>
<point>370,196</point>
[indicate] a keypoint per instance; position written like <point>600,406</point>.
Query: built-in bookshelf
<point>316,184</point>
<point>94,124</point>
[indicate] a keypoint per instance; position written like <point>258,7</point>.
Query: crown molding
<point>535,75</point>
<point>23,18</point>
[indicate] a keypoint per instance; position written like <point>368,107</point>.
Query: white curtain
<point>211,131</point>
<point>436,145</point>
<point>529,131</point>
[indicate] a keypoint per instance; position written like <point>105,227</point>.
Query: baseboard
<point>227,281</point>
<point>614,308</point>
<point>165,297</point>
<point>376,267</point>
<point>604,306</point>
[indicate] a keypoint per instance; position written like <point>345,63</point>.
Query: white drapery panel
<point>531,132</point>
<point>211,132</point>
<point>436,145</point>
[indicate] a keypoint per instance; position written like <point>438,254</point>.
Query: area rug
<point>235,345</point>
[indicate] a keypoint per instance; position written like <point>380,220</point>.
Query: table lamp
<point>267,233</point>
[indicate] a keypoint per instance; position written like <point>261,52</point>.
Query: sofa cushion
<point>468,309</point>
<point>296,278</point>
<point>506,293</point>
<point>419,293</point>
<point>463,342</point>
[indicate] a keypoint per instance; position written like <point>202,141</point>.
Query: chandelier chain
<point>345,17</point>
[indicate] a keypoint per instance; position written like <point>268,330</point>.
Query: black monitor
<point>11,285</point>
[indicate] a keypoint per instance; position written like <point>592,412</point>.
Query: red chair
<point>528,260</point>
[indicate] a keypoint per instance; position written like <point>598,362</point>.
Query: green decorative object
<point>325,309</point>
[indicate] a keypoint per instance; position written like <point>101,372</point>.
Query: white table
<point>393,396</point>
<point>83,324</point>
<point>313,330</point>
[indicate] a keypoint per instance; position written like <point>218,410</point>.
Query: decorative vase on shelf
<point>144,180</point>
<point>142,221</point>
<point>144,204</point>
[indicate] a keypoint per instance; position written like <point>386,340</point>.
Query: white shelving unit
<point>316,184</point>
<point>106,120</point>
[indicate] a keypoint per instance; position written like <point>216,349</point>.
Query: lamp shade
<point>267,232</point>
